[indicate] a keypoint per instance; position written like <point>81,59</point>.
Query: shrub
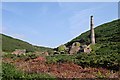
<point>107,61</point>
<point>60,58</point>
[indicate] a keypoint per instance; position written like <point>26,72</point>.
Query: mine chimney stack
<point>92,34</point>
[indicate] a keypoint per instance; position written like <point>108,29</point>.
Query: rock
<point>19,51</point>
<point>46,53</point>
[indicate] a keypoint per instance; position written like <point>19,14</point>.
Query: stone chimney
<point>92,34</point>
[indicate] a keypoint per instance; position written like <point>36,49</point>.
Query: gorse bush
<point>60,58</point>
<point>111,61</point>
<point>9,72</point>
<point>107,61</point>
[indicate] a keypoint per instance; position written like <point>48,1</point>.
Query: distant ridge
<point>9,44</point>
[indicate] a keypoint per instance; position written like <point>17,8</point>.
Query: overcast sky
<point>53,23</point>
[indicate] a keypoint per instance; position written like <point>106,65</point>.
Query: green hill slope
<point>108,32</point>
<point>106,35</point>
<point>9,44</point>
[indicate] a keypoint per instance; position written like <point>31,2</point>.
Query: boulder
<point>19,51</point>
<point>46,53</point>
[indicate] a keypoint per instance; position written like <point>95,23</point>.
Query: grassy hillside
<point>105,53</point>
<point>108,32</point>
<point>106,35</point>
<point>102,62</point>
<point>9,44</point>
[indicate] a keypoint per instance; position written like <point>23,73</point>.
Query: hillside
<point>108,32</point>
<point>106,35</point>
<point>103,62</point>
<point>9,44</point>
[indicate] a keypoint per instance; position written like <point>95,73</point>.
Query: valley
<point>102,61</point>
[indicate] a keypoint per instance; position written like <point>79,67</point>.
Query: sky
<point>51,24</point>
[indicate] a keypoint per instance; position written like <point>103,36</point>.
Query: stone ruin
<point>19,51</point>
<point>83,48</point>
<point>75,48</point>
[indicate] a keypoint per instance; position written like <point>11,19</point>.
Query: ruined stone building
<point>76,47</point>
<point>84,48</point>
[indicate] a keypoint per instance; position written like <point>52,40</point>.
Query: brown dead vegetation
<point>61,70</point>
